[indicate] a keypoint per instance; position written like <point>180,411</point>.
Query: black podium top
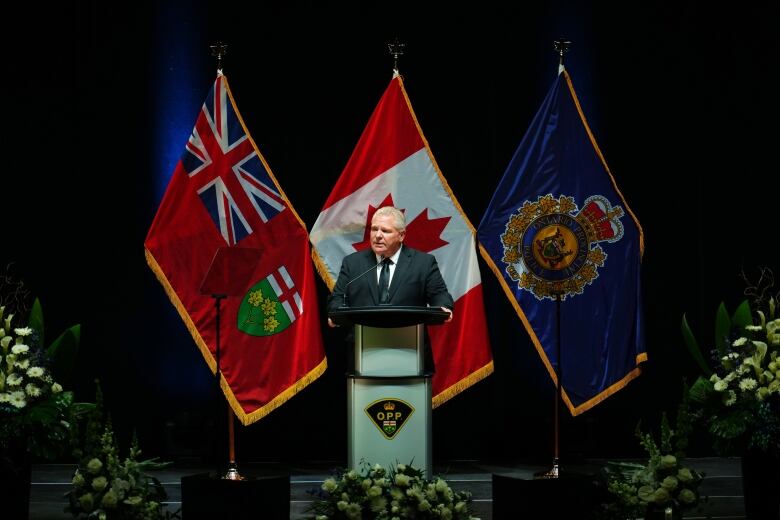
<point>388,316</point>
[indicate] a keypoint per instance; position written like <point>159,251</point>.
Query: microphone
<point>361,275</point>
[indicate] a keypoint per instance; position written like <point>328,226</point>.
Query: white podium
<point>389,415</point>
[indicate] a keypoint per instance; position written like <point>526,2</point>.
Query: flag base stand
<point>553,472</point>
<point>232,473</point>
<point>575,494</point>
<point>205,496</point>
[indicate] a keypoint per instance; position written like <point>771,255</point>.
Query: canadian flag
<point>392,164</point>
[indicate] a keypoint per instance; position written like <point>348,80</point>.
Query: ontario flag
<point>565,246</point>
<point>392,165</point>
<point>224,195</point>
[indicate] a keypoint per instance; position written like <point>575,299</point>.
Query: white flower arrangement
<point>35,412</point>
<point>22,381</point>
<point>751,371</point>
<point>739,398</point>
<point>399,493</point>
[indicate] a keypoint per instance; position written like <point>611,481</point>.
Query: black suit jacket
<point>416,281</point>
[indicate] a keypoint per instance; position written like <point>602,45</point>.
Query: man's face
<point>385,237</point>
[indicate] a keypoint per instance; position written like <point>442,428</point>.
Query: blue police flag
<point>557,227</point>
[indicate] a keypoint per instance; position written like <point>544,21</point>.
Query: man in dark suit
<point>401,275</point>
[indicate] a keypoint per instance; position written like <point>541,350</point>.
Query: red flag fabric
<point>392,164</point>
<point>223,194</point>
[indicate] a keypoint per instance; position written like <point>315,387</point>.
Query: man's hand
<point>450,312</point>
<point>331,324</point>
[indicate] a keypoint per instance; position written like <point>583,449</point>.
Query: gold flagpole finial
<point>218,50</point>
<point>561,47</point>
<point>396,49</point>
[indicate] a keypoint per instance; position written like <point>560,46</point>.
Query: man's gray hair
<point>390,211</point>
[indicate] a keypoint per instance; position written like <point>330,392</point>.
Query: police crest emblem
<point>551,247</point>
<point>389,415</point>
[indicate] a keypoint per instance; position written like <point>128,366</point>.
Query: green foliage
<point>634,489</point>
<point>742,316</point>
<point>767,429</point>
<point>63,353</point>
<point>36,320</point>
<point>685,424</point>
<point>693,346</point>
<point>107,486</point>
<point>90,441</point>
<point>722,328</point>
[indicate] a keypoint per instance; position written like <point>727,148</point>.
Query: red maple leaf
<point>422,233</point>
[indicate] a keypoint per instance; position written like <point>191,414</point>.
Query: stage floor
<point>722,485</point>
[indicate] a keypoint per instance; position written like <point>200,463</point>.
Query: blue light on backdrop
<point>179,87</point>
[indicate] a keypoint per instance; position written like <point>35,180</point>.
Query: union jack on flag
<point>230,178</point>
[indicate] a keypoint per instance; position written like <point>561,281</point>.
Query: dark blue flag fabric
<point>558,225</point>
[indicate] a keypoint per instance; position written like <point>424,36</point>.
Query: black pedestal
<point>205,497</point>
<point>15,477</point>
<point>564,498</point>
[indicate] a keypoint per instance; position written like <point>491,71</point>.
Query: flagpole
<point>218,50</point>
<point>217,372</point>
<point>232,472</point>
<point>558,387</point>
<point>554,471</point>
<point>561,47</point>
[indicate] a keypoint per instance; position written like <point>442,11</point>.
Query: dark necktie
<point>384,281</point>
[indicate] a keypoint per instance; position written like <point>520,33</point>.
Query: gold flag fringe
<point>476,376</point>
<point>276,402</point>
<point>590,403</point>
<point>322,269</point>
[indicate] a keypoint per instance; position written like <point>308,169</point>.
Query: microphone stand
<point>361,275</point>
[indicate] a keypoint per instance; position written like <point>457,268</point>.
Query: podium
<point>389,414</point>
